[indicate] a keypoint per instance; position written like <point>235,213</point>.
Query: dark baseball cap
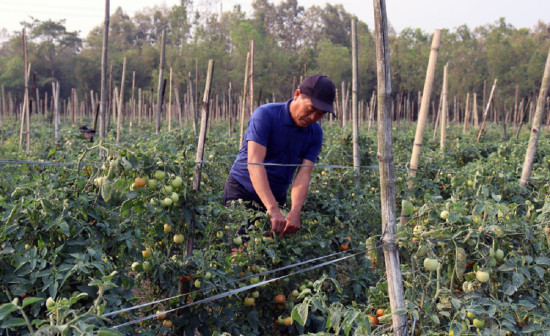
<point>321,91</point>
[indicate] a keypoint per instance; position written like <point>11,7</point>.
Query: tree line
<point>289,43</point>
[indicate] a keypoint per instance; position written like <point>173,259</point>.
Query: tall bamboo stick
<point>251,74</point>
<point>121,102</point>
<point>444,110</point>
<point>104,65</point>
<point>170,102</point>
<point>486,112</point>
<point>466,113</point>
<point>200,147</point>
<point>425,104</point>
<point>160,83</point>
<point>535,130</point>
<point>243,105</point>
<point>354,112</point>
<point>387,171</point>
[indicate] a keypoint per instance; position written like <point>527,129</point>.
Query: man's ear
<point>297,93</point>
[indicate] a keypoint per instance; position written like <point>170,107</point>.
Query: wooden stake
<point>387,171</point>
<point>466,113</point>
<point>535,130</point>
<point>424,106</point>
<point>160,83</point>
<point>486,111</point>
<point>243,105</point>
<point>251,74</point>
<point>170,102</point>
<point>354,112</point>
<point>200,147</point>
<point>121,102</point>
<point>444,110</point>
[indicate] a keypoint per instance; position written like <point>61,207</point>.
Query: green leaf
<point>14,322</point>
<point>543,261</point>
<point>104,331</point>
<point>517,280</point>
<point>300,312</point>
<point>31,300</point>
<point>7,309</point>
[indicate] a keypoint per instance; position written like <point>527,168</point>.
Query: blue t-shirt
<point>272,126</point>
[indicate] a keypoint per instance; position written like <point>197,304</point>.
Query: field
<point>83,236</point>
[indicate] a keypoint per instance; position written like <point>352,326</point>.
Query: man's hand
<point>278,221</point>
<point>292,222</point>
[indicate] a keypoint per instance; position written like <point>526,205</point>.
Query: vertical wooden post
<point>425,104</point>
<point>535,130</point>
<point>243,105</point>
<point>387,170</point>
<point>251,74</point>
<point>104,65</point>
<point>55,99</point>
<point>466,113</point>
<point>160,83</point>
<point>121,102</point>
<point>200,147</point>
<point>4,106</point>
<point>170,102</point>
<point>191,105</point>
<point>444,111</point>
<point>486,112</point>
<point>25,114</point>
<point>133,101</point>
<point>354,112</point>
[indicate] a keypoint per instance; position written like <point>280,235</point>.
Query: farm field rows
<point>81,237</point>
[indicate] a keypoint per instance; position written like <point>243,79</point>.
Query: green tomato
<point>176,182</point>
<point>208,276</point>
<point>482,276</point>
<point>174,197</point>
<point>159,174</point>
<point>136,267</point>
<point>478,323</point>
<point>197,283</point>
<point>168,189</point>
<point>431,264</point>
<point>147,266</point>
<point>444,214</point>
<point>152,183</point>
<point>237,241</point>
<point>499,254</point>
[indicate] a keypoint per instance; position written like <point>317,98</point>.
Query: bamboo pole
<point>55,94</point>
<point>25,111</point>
<point>466,113</point>
<point>251,74</point>
<point>535,130</point>
<point>180,118</point>
<point>243,105</point>
<point>444,110</point>
<point>121,102</point>
<point>387,171</point>
<point>191,105</point>
<point>170,102</point>
<point>4,105</point>
<point>486,110</point>
<point>354,112</point>
<point>104,65</point>
<point>160,83</point>
<point>425,104</point>
<point>200,147</point>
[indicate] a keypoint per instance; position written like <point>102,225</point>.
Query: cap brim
<point>321,105</point>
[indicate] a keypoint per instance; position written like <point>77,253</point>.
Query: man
<point>284,135</point>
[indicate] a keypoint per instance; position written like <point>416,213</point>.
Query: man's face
<point>303,112</point>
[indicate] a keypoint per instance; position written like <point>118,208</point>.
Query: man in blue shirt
<point>279,137</point>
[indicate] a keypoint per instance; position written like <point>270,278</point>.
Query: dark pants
<point>234,191</point>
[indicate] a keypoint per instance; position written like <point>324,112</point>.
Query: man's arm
<point>298,195</point>
<point>258,176</point>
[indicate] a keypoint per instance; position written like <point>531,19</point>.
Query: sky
<point>83,15</point>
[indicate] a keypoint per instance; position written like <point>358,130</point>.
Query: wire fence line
<point>241,289</point>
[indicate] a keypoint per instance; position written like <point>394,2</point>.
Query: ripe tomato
<point>140,182</point>
<point>380,312</point>
<point>161,316</point>
<point>167,323</point>
<point>287,321</point>
<point>344,247</point>
<point>373,320</point>
<point>280,299</point>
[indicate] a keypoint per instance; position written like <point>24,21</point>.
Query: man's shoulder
<point>270,108</point>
